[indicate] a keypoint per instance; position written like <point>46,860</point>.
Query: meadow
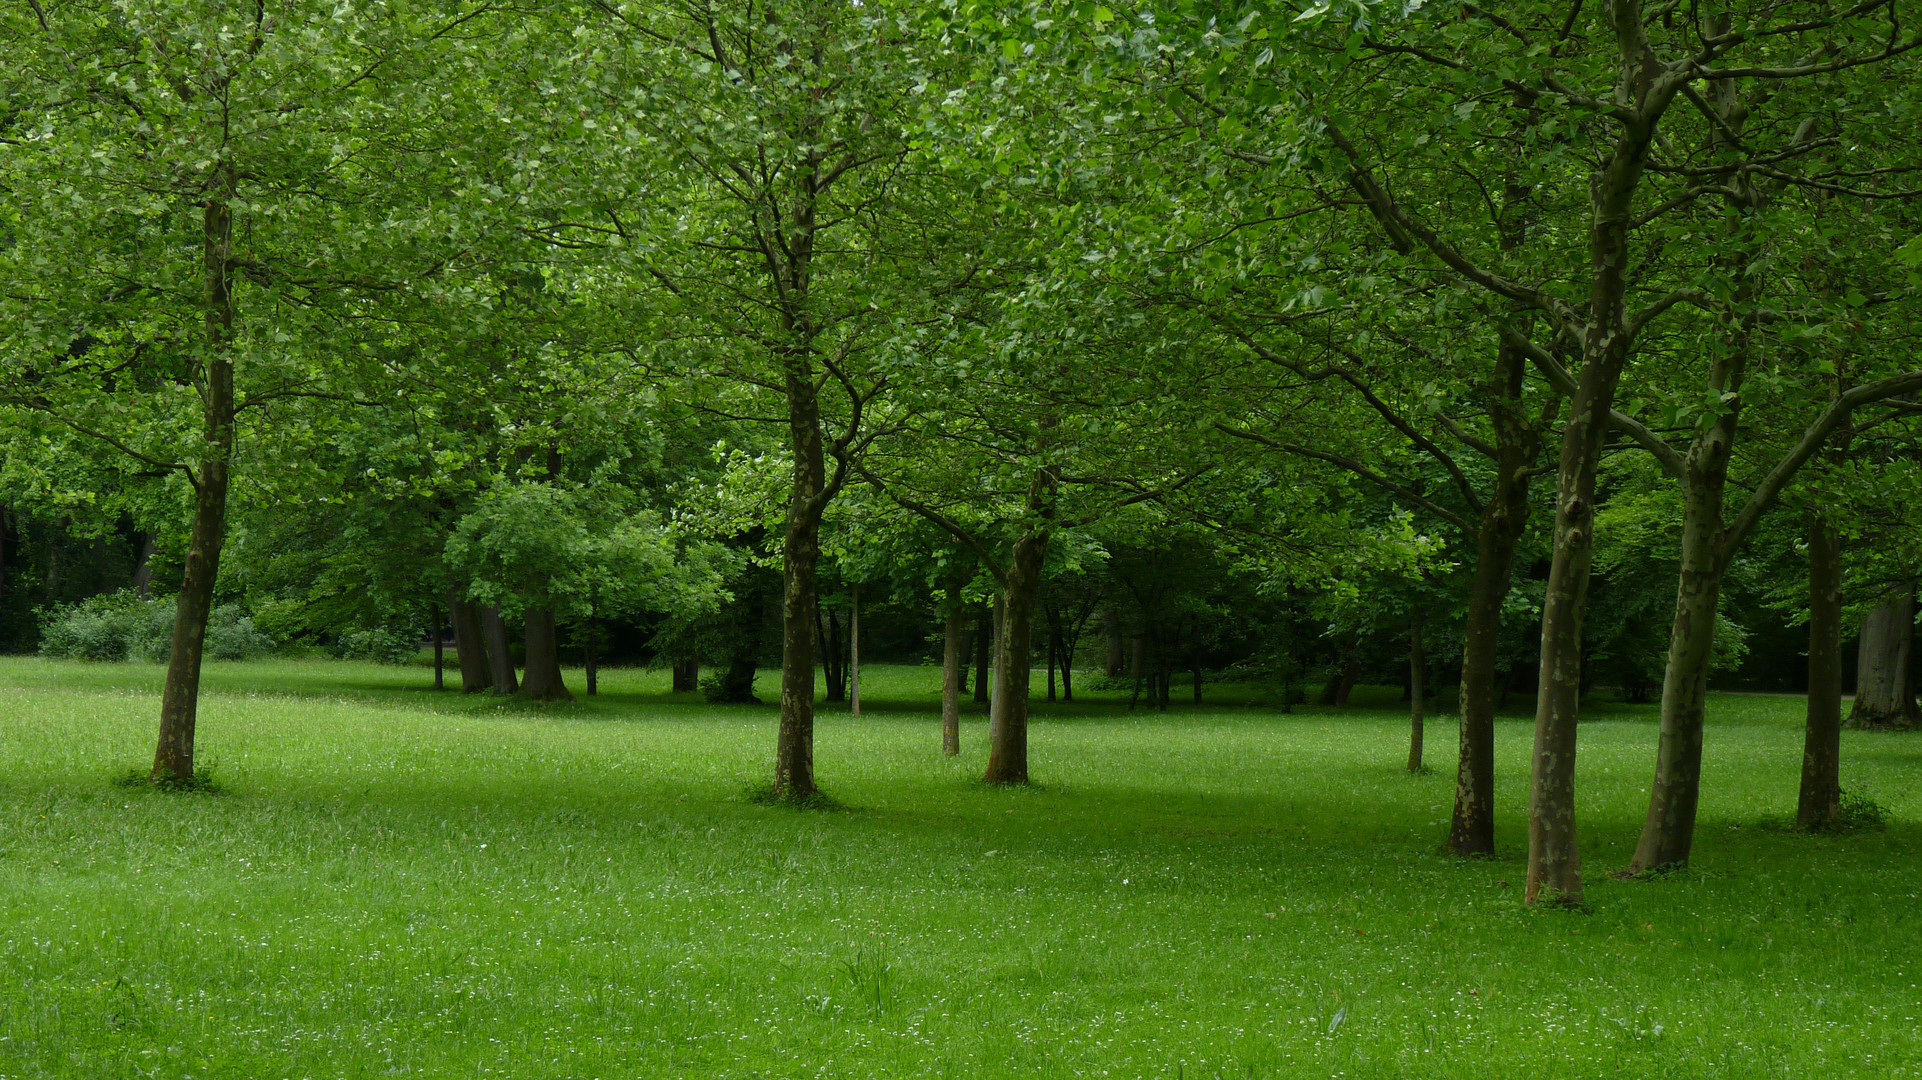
<point>398,882</point>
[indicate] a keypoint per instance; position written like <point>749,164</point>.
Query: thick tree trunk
<point>542,676</point>
<point>1820,801</point>
<point>440,640</point>
<point>687,674</point>
<point>1013,664</point>
<point>1669,830</point>
<point>500,657</point>
<point>470,644</point>
<point>953,668</point>
<point>1884,691</point>
<point>1417,691</point>
<point>179,698</point>
<point>983,638</point>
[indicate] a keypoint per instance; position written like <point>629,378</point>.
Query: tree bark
<point>1417,690</point>
<point>687,674</point>
<point>854,652</point>
<point>736,684</point>
<point>1504,517</point>
<point>1884,689</point>
<point>1013,664</point>
<point>179,699</point>
<point>953,667</point>
<point>500,658</point>
<point>1819,802</point>
<point>801,556</point>
<point>1669,830</point>
<point>470,644</point>
<point>542,676</point>
<point>983,639</point>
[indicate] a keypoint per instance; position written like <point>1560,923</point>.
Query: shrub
<point>380,644</point>
<point>120,625</point>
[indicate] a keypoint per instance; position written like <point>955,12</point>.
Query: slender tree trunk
<point>994,681</point>
<point>1417,690</point>
<point>500,658</point>
<point>800,598</point>
<point>953,669</point>
<point>1884,693</point>
<point>143,566</point>
<point>179,699</point>
<point>1138,667</point>
<point>983,636</point>
<point>1820,801</point>
<point>1471,830</point>
<point>440,656</point>
<point>470,644</point>
<point>854,653</point>
<point>1669,831</point>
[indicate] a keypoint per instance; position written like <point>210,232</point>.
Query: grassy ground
<point>396,882</point>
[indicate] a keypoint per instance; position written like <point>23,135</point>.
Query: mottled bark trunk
<point>1884,691</point>
<point>542,675</point>
<point>1669,830</point>
<point>470,644</point>
<point>500,655</point>
<point>1819,803</point>
<point>1417,691</point>
<point>953,666</point>
<point>179,698</point>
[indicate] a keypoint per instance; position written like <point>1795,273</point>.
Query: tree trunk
<point>736,684</point>
<point>1669,830</point>
<point>1820,801</point>
<point>1013,664</point>
<point>542,676</point>
<point>1067,672</point>
<point>983,636</point>
<point>470,644</point>
<point>1417,690</point>
<point>953,668</point>
<point>143,566</point>
<point>854,653</point>
<point>179,699</point>
<point>1471,830</point>
<point>500,658</point>
<point>440,655</point>
<point>1554,853</point>
<point>800,597</point>
<point>1884,693</point>
<point>687,674</point>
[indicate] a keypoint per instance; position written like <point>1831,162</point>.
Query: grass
<point>393,882</point>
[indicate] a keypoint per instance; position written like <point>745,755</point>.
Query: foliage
<point>380,644</point>
<point>121,626</point>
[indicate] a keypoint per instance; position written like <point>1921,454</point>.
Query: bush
<point>381,645</point>
<point>120,625</point>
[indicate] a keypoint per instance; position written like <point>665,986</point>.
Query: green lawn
<point>399,883</point>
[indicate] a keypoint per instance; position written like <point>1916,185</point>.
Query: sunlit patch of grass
<point>398,882</point>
